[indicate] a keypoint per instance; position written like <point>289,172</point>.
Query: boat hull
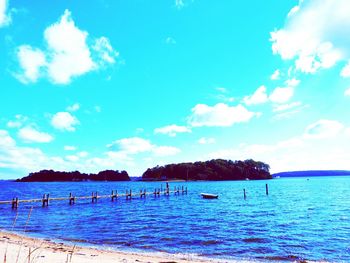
<point>209,196</point>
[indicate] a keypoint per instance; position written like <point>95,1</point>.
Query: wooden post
<point>141,195</point>
<point>267,189</point>
<point>186,190</point>
<point>112,195</point>
<point>71,199</point>
<point>45,200</point>
<point>245,196</point>
<point>15,203</point>
<point>94,197</point>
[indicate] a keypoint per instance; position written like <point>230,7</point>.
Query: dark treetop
<point>55,176</point>
<point>213,170</point>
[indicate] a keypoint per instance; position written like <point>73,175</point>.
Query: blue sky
<point>134,84</point>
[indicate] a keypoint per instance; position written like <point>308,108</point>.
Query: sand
<point>43,250</point>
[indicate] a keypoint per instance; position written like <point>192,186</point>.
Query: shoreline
<point>39,250</point>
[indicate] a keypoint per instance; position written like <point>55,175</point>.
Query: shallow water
<point>300,219</point>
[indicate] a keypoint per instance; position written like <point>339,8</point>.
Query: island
<point>213,170</point>
<point>60,176</point>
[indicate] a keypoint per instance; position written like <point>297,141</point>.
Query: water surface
<point>300,219</point>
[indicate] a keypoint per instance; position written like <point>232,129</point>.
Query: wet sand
<point>36,250</point>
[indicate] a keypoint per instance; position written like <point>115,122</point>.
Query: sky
<point>128,85</point>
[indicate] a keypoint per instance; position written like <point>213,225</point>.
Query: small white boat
<point>209,196</point>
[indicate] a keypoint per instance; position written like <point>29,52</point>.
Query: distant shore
<point>45,250</point>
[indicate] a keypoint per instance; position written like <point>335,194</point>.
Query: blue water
<point>300,219</point>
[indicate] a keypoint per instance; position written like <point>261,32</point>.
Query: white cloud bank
<point>221,115</point>
<point>68,54</point>
<point>324,145</point>
<point>315,35</point>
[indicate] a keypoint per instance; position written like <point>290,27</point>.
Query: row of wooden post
<point>114,195</point>
<point>266,191</point>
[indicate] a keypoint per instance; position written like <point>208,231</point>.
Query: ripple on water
<point>256,240</point>
<point>285,226</point>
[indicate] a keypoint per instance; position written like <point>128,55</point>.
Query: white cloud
<point>83,154</point>
<point>347,92</point>
<point>165,150</point>
<point>72,158</point>
<point>315,35</point>
<point>74,107</point>
<point>276,75</point>
<point>258,97</point>
<point>204,140</point>
<point>136,145</point>
<point>172,130</point>
<point>323,129</point>
<point>281,95</point>
<point>5,18</point>
<point>284,107</point>
<point>69,148</point>
<point>31,60</point>
<point>64,121</point>
<point>18,122</point>
<point>132,145</point>
<point>219,115</point>
<point>345,72</point>
<point>292,82</point>
<point>105,51</point>
<point>68,54</point>
<point>6,140</point>
<point>29,134</point>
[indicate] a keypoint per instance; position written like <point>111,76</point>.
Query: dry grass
<point>13,227</point>
<point>25,229</point>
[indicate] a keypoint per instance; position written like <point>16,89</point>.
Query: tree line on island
<point>76,176</point>
<point>213,170</point>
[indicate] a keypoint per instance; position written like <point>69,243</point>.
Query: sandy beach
<point>26,249</point>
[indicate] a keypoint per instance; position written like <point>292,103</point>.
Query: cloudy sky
<point>131,84</point>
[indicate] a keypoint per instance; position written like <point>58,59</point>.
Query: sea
<point>306,218</point>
